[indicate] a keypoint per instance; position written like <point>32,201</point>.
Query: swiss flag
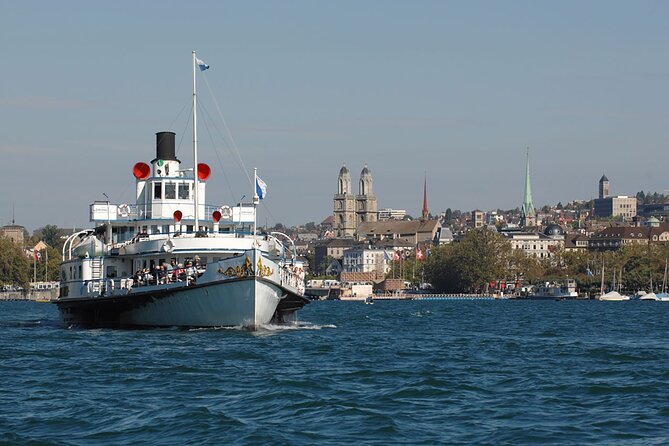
<point>419,254</point>
<point>38,256</point>
<point>396,255</point>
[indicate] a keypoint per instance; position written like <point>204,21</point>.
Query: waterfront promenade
<point>409,296</point>
<point>33,295</point>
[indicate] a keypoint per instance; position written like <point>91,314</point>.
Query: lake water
<point>414,372</point>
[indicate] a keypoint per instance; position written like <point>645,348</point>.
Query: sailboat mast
<point>195,194</point>
<point>601,286</point>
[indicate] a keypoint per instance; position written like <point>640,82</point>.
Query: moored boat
<point>613,296</point>
<point>553,291</point>
<point>171,260</point>
<point>648,297</point>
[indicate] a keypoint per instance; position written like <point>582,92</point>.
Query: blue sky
<point>455,89</point>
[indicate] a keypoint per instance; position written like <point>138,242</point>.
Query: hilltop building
<point>350,211</point>
<point>620,206</point>
<point>13,232</point>
<point>478,219</point>
<point>614,238</point>
<point>603,187</point>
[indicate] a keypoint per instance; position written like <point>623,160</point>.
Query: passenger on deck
<point>191,272</point>
<point>180,273</point>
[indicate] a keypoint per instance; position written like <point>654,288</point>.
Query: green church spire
<point>528,216</point>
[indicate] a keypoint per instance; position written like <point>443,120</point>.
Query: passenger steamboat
<point>170,260</point>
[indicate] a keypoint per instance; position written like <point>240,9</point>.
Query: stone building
<point>368,260</point>
<point>478,219</point>
<point>620,206</point>
<point>541,245</point>
<point>615,237</point>
<point>13,232</point>
<point>603,187</point>
<point>352,210</point>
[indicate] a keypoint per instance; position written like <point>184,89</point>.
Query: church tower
<point>603,187</point>
<point>366,207</point>
<point>528,216</point>
<point>425,215</point>
<point>344,205</point>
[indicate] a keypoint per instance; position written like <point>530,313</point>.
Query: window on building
<point>158,190</point>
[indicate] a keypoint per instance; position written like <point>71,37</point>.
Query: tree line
<point>484,256</point>
<point>18,270</point>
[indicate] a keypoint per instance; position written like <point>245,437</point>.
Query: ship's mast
<point>256,200</point>
<point>195,194</point>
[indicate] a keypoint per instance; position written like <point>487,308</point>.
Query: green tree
<point>448,217</point>
<point>50,235</point>
<point>527,268</point>
<point>323,266</point>
<point>47,268</point>
<point>13,264</point>
<point>483,256</point>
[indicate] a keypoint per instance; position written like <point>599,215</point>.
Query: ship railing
<point>122,286</point>
<point>293,276</point>
<point>187,276</point>
<point>130,212</point>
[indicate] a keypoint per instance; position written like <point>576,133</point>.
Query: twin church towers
<point>352,210</point>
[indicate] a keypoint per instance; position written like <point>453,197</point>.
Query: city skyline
<point>457,89</point>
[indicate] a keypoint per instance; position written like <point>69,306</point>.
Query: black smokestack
<point>165,147</point>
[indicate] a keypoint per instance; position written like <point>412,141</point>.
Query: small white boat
<point>556,291</point>
<point>649,297</point>
<point>613,296</point>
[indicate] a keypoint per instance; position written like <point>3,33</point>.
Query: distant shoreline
<point>35,296</point>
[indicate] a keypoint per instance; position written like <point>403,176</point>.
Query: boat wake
<point>269,328</point>
<point>31,323</point>
<point>426,313</point>
<point>294,326</point>
<point>20,324</point>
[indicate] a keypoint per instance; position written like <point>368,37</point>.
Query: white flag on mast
<point>200,63</point>
<point>261,188</point>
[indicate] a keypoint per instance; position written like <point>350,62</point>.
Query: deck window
<point>184,191</point>
<point>170,191</point>
<point>158,190</point>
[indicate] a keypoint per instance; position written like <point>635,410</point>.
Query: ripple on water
<point>424,373</point>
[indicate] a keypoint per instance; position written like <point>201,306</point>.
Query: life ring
<point>168,246</point>
<point>123,210</point>
<point>226,212</point>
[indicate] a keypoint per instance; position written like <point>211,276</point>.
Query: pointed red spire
<point>426,213</point>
